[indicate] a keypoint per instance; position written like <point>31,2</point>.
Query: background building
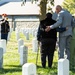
<point>21,16</point>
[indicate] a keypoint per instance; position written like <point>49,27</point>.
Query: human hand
<point>47,28</point>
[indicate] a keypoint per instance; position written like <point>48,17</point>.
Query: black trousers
<point>4,36</point>
<point>47,50</point>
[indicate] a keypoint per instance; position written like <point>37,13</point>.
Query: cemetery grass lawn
<point>11,64</point>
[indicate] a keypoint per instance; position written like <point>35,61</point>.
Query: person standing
<point>4,27</point>
<point>47,40</point>
<point>64,19</point>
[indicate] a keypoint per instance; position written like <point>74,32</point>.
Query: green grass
<point>11,61</point>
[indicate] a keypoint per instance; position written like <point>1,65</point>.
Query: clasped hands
<point>47,28</point>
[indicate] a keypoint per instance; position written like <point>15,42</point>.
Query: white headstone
<point>30,31</point>
<point>63,67</point>
<point>9,35</point>
<point>11,28</point>
<point>23,55</point>
<point>35,45</point>
<point>21,30</point>
<point>17,31</point>
<point>1,57</point>
<point>27,35</point>
<point>17,35</point>
<point>29,69</point>
<point>20,43</point>
<point>33,32</point>
<point>0,36</point>
<point>24,32</point>
<point>3,45</point>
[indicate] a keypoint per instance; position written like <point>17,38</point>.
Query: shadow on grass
<point>10,69</point>
<point>72,70</point>
<point>47,70</point>
<point>17,66</point>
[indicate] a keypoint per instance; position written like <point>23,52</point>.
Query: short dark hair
<point>49,15</point>
<point>59,6</point>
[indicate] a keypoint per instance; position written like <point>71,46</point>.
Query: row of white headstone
<point>63,68</point>
<point>30,68</point>
<point>29,30</point>
<point>26,32</point>
<point>3,46</point>
<point>2,51</point>
<point>23,51</point>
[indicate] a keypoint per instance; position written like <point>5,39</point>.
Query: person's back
<point>51,34</point>
<point>66,22</point>
<point>47,40</point>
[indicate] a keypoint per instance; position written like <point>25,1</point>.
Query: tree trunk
<point>42,9</point>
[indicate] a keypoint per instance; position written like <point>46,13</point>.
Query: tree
<point>43,8</point>
<point>69,5</point>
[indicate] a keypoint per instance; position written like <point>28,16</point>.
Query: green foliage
<point>69,5</point>
<point>51,2</point>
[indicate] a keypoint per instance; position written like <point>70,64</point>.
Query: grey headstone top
<point>1,52</point>
<point>1,57</point>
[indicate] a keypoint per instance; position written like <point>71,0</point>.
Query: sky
<point>57,2</point>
